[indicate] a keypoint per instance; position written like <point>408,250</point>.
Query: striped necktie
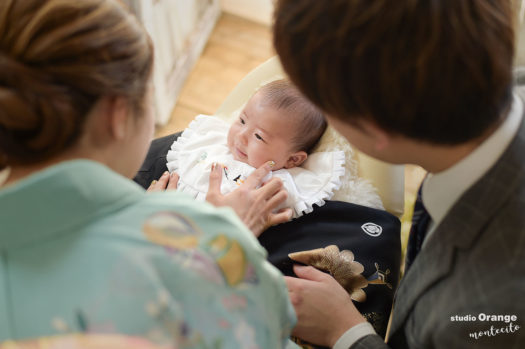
<point>418,230</point>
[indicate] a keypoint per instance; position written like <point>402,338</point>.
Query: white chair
<point>387,179</point>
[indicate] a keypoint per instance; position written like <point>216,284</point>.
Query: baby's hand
<point>166,182</point>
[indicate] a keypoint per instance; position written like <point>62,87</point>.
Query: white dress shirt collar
<point>441,190</point>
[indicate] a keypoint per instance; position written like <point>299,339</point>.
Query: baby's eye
<point>242,121</point>
<point>259,137</point>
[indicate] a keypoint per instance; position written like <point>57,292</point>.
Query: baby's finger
<point>257,176</point>
<point>173,181</point>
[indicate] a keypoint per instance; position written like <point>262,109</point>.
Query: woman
<point>83,248</point>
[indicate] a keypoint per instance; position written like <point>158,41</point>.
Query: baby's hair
<point>311,123</point>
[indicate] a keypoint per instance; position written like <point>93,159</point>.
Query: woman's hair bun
<point>57,58</point>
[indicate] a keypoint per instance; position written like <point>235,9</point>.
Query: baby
<point>277,124</point>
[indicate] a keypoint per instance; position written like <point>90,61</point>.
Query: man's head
<point>278,124</point>
<point>439,72</point>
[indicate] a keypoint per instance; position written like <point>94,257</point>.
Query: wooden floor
<point>235,47</point>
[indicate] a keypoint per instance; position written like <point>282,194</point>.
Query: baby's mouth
<point>240,153</point>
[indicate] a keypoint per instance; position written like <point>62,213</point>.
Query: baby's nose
<point>243,137</point>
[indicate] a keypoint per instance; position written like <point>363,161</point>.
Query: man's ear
<point>296,159</point>
<point>380,138</point>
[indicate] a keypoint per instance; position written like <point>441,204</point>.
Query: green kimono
<point>84,250</point>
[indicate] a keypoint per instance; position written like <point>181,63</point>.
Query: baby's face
<point>260,134</point>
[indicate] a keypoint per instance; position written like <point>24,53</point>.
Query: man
<point>427,83</point>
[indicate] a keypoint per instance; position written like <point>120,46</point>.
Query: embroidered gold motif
<point>340,264</point>
<point>171,229</point>
<point>230,258</point>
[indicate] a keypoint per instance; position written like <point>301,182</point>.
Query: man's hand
<point>253,203</point>
<point>323,307</point>
<point>166,182</point>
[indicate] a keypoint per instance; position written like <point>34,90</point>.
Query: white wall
<point>260,11</point>
<point>520,54</point>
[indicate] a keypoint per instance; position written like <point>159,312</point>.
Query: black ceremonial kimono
<point>372,235</point>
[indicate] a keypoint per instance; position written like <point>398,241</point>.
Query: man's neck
<point>438,158</point>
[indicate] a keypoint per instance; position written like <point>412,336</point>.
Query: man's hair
<point>309,120</point>
<point>436,71</point>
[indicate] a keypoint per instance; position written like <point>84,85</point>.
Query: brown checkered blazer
<point>473,264</point>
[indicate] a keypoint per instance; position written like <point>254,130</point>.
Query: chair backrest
<point>388,179</point>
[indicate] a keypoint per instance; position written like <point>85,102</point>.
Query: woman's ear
<point>107,121</point>
<point>118,114</point>
<point>296,159</point>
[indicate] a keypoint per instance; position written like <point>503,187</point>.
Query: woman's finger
<point>214,188</point>
<point>282,216</point>
<point>277,198</point>
<point>152,185</point>
<point>160,184</point>
<point>271,188</point>
<point>173,181</point>
<point>255,179</point>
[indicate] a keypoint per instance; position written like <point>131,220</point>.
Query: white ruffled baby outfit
<point>204,142</point>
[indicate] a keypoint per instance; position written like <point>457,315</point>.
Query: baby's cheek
<point>229,139</point>
<point>257,158</point>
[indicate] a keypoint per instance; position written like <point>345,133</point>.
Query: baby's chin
<point>249,162</point>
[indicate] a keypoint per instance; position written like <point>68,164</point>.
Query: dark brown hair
<point>437,71</point>
<point>57,58</point>
<point>310,121</point>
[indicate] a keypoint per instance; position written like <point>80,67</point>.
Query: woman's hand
<point>253,204</point>
<point>324,309</point>
<point>166,182</point>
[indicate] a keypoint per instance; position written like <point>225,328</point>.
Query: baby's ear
<point>296,159</point>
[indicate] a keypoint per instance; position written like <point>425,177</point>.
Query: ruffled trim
<point>187,189</point>
<point>173,157</point>
<point>327,190</point>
